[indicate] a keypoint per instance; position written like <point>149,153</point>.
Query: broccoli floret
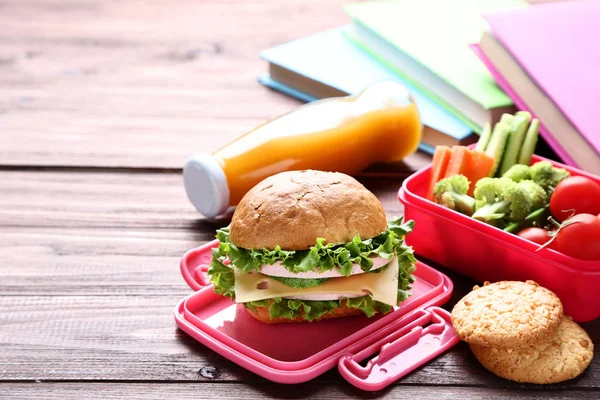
<point>547,176</point>
<point>487,190</point>
<point>536,193</point>
<point>451,192</point>
<point>518,173</point>
<point>501,198</point>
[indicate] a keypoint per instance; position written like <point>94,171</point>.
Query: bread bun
<point>262,314</point>
<point>293,209</point>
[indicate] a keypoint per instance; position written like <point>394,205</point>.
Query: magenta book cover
<point>552,142</point>
<point>557,45</point>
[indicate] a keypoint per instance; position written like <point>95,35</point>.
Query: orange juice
<point>344,134</point>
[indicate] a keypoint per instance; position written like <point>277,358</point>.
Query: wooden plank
<point>117,337</point>
<point>149,201</point>
<point>93,262</point>
<point>57,262</point>
<point>90,280</point>
<point>95,200</point>
<point>140,84</point>
<point>160,391</point>
<point>97,233</point>
<point>100,337</point>
<point>101,84</point>
<point>125,141</point>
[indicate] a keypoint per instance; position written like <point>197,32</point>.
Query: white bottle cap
<point>206,185</point>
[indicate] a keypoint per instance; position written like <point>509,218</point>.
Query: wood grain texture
<point>74,321</point>
<point>98,233</point>
<point>101,102</point>
<point>160,391</point>
<point>134,338</point>
<point>92,262</point>
<point>122,201</point>
<point>91,278</point>
<point>138,83</point>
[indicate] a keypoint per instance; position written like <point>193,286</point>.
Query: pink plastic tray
<point>406,338</point>
<point>486,253</point>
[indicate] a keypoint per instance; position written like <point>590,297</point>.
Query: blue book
<point>328,64</point>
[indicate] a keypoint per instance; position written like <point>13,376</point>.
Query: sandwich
<point>312,245</point>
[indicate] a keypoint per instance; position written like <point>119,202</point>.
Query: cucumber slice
<point>529,143</point>
<point>507,119</point>
<point>524,114</point>
<point>497,144</point>
<point>515,142</point>
<point>484,139</point>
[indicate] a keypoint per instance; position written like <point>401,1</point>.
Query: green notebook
<point>427,41</point>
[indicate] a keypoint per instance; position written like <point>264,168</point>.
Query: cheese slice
<point>382,286</point>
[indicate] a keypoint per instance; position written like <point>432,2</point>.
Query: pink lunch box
<point>486,253</point>
<point>405,338</point>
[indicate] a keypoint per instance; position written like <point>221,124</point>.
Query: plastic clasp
<point>194,265</point>
<point>429,334</point>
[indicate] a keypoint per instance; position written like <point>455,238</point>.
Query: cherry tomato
<point>575,195</point>
<point>580,237</point>
<point>537,235</point>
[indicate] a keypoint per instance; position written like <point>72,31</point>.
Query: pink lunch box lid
<point>405,339</point>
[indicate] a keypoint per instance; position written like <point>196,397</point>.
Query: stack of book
<point>466,63</point>
<point>547,58</point>
<point>424,44</point>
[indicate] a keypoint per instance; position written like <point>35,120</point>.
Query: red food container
<point>486,253</point>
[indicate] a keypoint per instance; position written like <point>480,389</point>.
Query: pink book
<point>521,105</point>
<point>547,57</point>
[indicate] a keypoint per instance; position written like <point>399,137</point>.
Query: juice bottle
<point>344,134</point>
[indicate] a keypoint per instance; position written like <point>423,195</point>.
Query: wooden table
<point>101,102</point>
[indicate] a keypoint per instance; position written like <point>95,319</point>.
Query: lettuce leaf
<point>222,277</point>
<point>369,306</point>
<point>407,264</point>
<point>312,309</point>
<point>299,283</point>
<point>384,245</point>
<point>320,257</point>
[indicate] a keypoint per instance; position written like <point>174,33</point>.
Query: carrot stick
<point>478,165</point>
<point>458,161</point>
<point>441,157</point>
